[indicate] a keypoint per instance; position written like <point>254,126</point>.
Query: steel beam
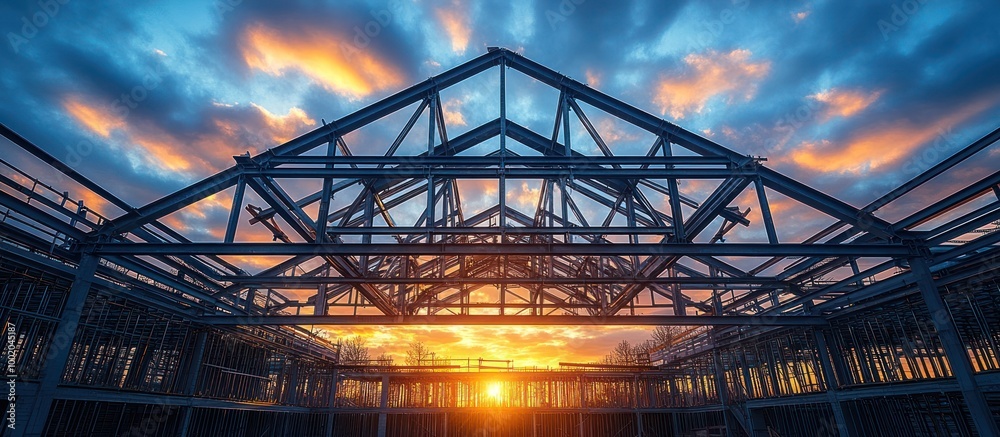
<point>59,347</point>
<point>548,320</point>
<point>537,249</point>
<point>954,347</point>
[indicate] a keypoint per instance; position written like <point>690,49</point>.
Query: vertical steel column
<point>319,307</point>
<point>383,405</point>
<point>720,386</point>
<point>193,370</point>
<point>831,377</point>
<point>568,152</point>
<point>583,402</point>
<point>59,348</point>
<point>333,403</point>
<point>638,406</point>
<point>291,390</point>
<point>677,295</point>
<point>324,201</point>
<point>676,215</point>
<point>765,212</point>
<point>958,358</point>
<point>234,211</point>
<point>429,215</point>
<point>502,192</point>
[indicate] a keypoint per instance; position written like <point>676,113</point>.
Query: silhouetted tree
<point>354,351</point>
<point>666,336</point>
<point>623,354</point>
<point>384,359</point>
<point>417,354</point>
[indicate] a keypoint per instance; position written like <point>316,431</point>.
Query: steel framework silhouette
<point>386,237</point>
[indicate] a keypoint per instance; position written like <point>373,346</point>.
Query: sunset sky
<point>852,98</point>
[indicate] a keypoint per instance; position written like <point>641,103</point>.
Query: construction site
<point>884,322</point>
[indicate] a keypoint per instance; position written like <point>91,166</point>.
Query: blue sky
<point>852,98</point>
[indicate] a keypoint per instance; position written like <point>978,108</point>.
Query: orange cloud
<point>593,78</point>
<point>95,118</point>
<point>156,147</point>
<point>452,110</point>
<point>527,345</point>
<point>327,58</point>
<point>611,132</point>
<point>525,196</point>
<point>456,26</point>
<point>95,203</point>
<point>845,103</point>
<point>730,74</point>
<point>198,153</point>
<point>799,16</point>
<point>879,145</point>
<point>165,153</point>
<point>285,127</point>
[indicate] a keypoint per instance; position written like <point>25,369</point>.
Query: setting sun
<point>494,391</point>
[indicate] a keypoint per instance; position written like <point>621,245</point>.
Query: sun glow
<point>494,391</point>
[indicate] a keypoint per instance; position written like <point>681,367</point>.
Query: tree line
<point>355,351</point>
<point>626,354</point>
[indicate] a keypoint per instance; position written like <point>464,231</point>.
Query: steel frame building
<point>122,325</point>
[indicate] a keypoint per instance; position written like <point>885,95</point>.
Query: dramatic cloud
<point>152,146</point>
<point>852,113</point>
<point>452,110</point>
<point>527,345</point>
<point>96,119</point>
<point>455,26</point>
<point>732,75</point>
<point>284,127</point>
<point>845,103</point>
<point>328,58</point>
<point>878,145</point>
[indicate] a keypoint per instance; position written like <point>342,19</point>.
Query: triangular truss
<point>606,237</point>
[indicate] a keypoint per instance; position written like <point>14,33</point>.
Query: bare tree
<point>640,352</point>
<point>666,336</point>
<point>354,351</point>
<point>417,354</point>
<point>623,353</point>
<point>384,359</point>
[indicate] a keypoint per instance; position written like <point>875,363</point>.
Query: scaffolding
<point>121,325</point>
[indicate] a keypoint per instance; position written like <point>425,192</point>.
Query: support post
<point>502,192</point>
<point>831,378</point>
<point>319,307</point>
<point>383,405</point>
<point>676,215</point>
<point>720,386</point>
<point>330,422</point>
<point>59,348</point>
<point>958,357</point>
<point>234,211</point>
<point>191,384</point>
<point>324,201</point>
<point>765,212</point>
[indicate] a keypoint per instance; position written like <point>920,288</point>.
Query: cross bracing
<point>386,234</point>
